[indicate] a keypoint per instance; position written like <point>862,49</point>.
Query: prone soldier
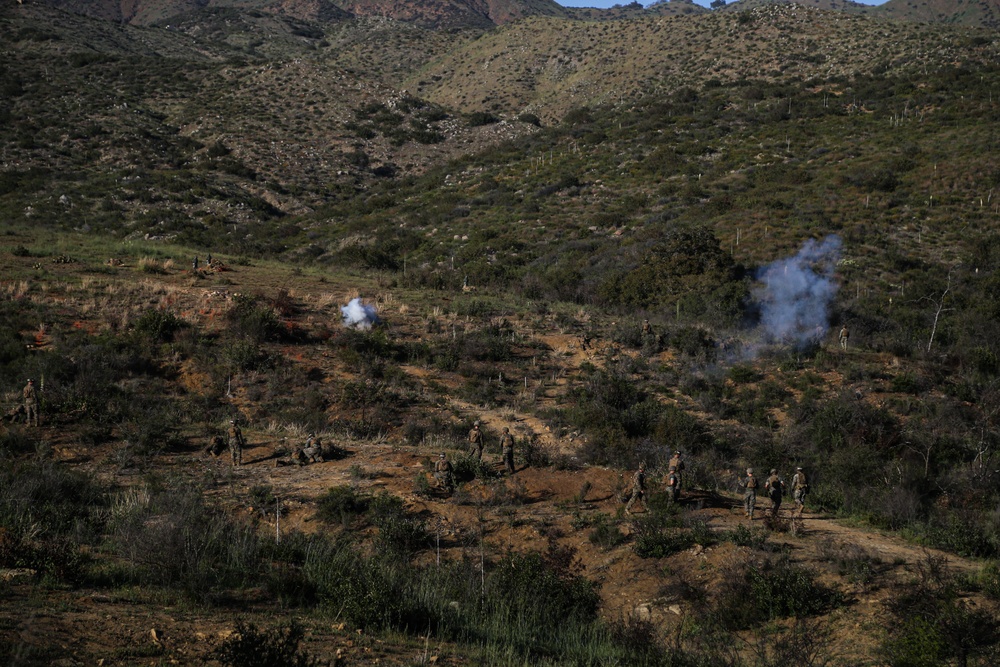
<point>17,414</point>
<point>216,446</point>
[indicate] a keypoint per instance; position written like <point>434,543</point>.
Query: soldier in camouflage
<point>775,490</point>
<point>30,403</point>
<point>444,473</point>
<point>476,442</point>
<point>507,450</point>
<point>638,488</point>
<point>749,485</point>
<point>673,484</point>
<point>236,442</point>
<point>313,451</point>
<point>677,463</point>
<point>800,487</point>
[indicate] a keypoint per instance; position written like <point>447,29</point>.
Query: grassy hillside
<point>547,66</point>
<point>748,182</point>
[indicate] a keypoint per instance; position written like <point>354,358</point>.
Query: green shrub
<point>399,533</point>
<point>169,537</point>
<point>605,534</point>
<point>246,354</point>
<point>279,647</point>
<point>341,505</point>
<point>989,579</point>
<point>929,623</point>
<point>158,325</point>
<point>250,319</point>
<point>477,118</point>
<point>742,536</point>
<point>769,589</point>
<point>467,468</point>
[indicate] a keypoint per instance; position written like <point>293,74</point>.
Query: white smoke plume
<point>796,292</point>
<point>359,315</point>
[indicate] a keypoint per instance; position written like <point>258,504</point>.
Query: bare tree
<point>939,308</point>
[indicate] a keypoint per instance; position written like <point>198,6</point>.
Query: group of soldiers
<point>774,487</point>
<point>476,445</point>
<point>673,482</point>
<point>310,452</point>
<point>444,472</point>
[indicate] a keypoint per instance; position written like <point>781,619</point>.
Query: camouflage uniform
<point>313,451</point>
<point>16,415</point>
<point>476,440</point>
<point>800,487</point>
<point>30,403</point>
<point>749,493</point>
<point>507,450</point>
<point>216,446</point>
<point>844,335</point>
<point>236,443</point>
<point>775,490</point>
<point>673,484</point>
<point>678,465</point>
<point>444,474</point>
<point>638,488</point>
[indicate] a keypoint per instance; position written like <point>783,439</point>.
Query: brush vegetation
<point>515,249</point>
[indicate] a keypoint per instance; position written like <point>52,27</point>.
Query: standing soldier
<point>236,442</point>
<point>30,403</point>
<point>749,493</point>
<point>800,487</point>
<point>443,473</point>
<point>677,463</point>
<point>775,490</point>
<point>844,335</point>
<point>673,484</point>
<point>507,450</point>
<point>476,440</point>
<point>638,488</point>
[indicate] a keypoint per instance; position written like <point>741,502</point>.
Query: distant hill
<point>829,5</point>
<point>547,66</point>
<point>958,12</point>
<point>487,14</point>
<point>436,13</point>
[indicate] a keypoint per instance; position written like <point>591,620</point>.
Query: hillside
<point>616,237</point>
<point>167,367</point>
<point>984,13</point>
<point>547,66</point>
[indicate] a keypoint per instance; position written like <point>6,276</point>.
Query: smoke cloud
<point>359,315</point>
<point>796,292</point>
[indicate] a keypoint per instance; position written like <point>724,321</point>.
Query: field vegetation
<point>600,282</point>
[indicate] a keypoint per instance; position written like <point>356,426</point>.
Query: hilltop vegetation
<point>515,203</point>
